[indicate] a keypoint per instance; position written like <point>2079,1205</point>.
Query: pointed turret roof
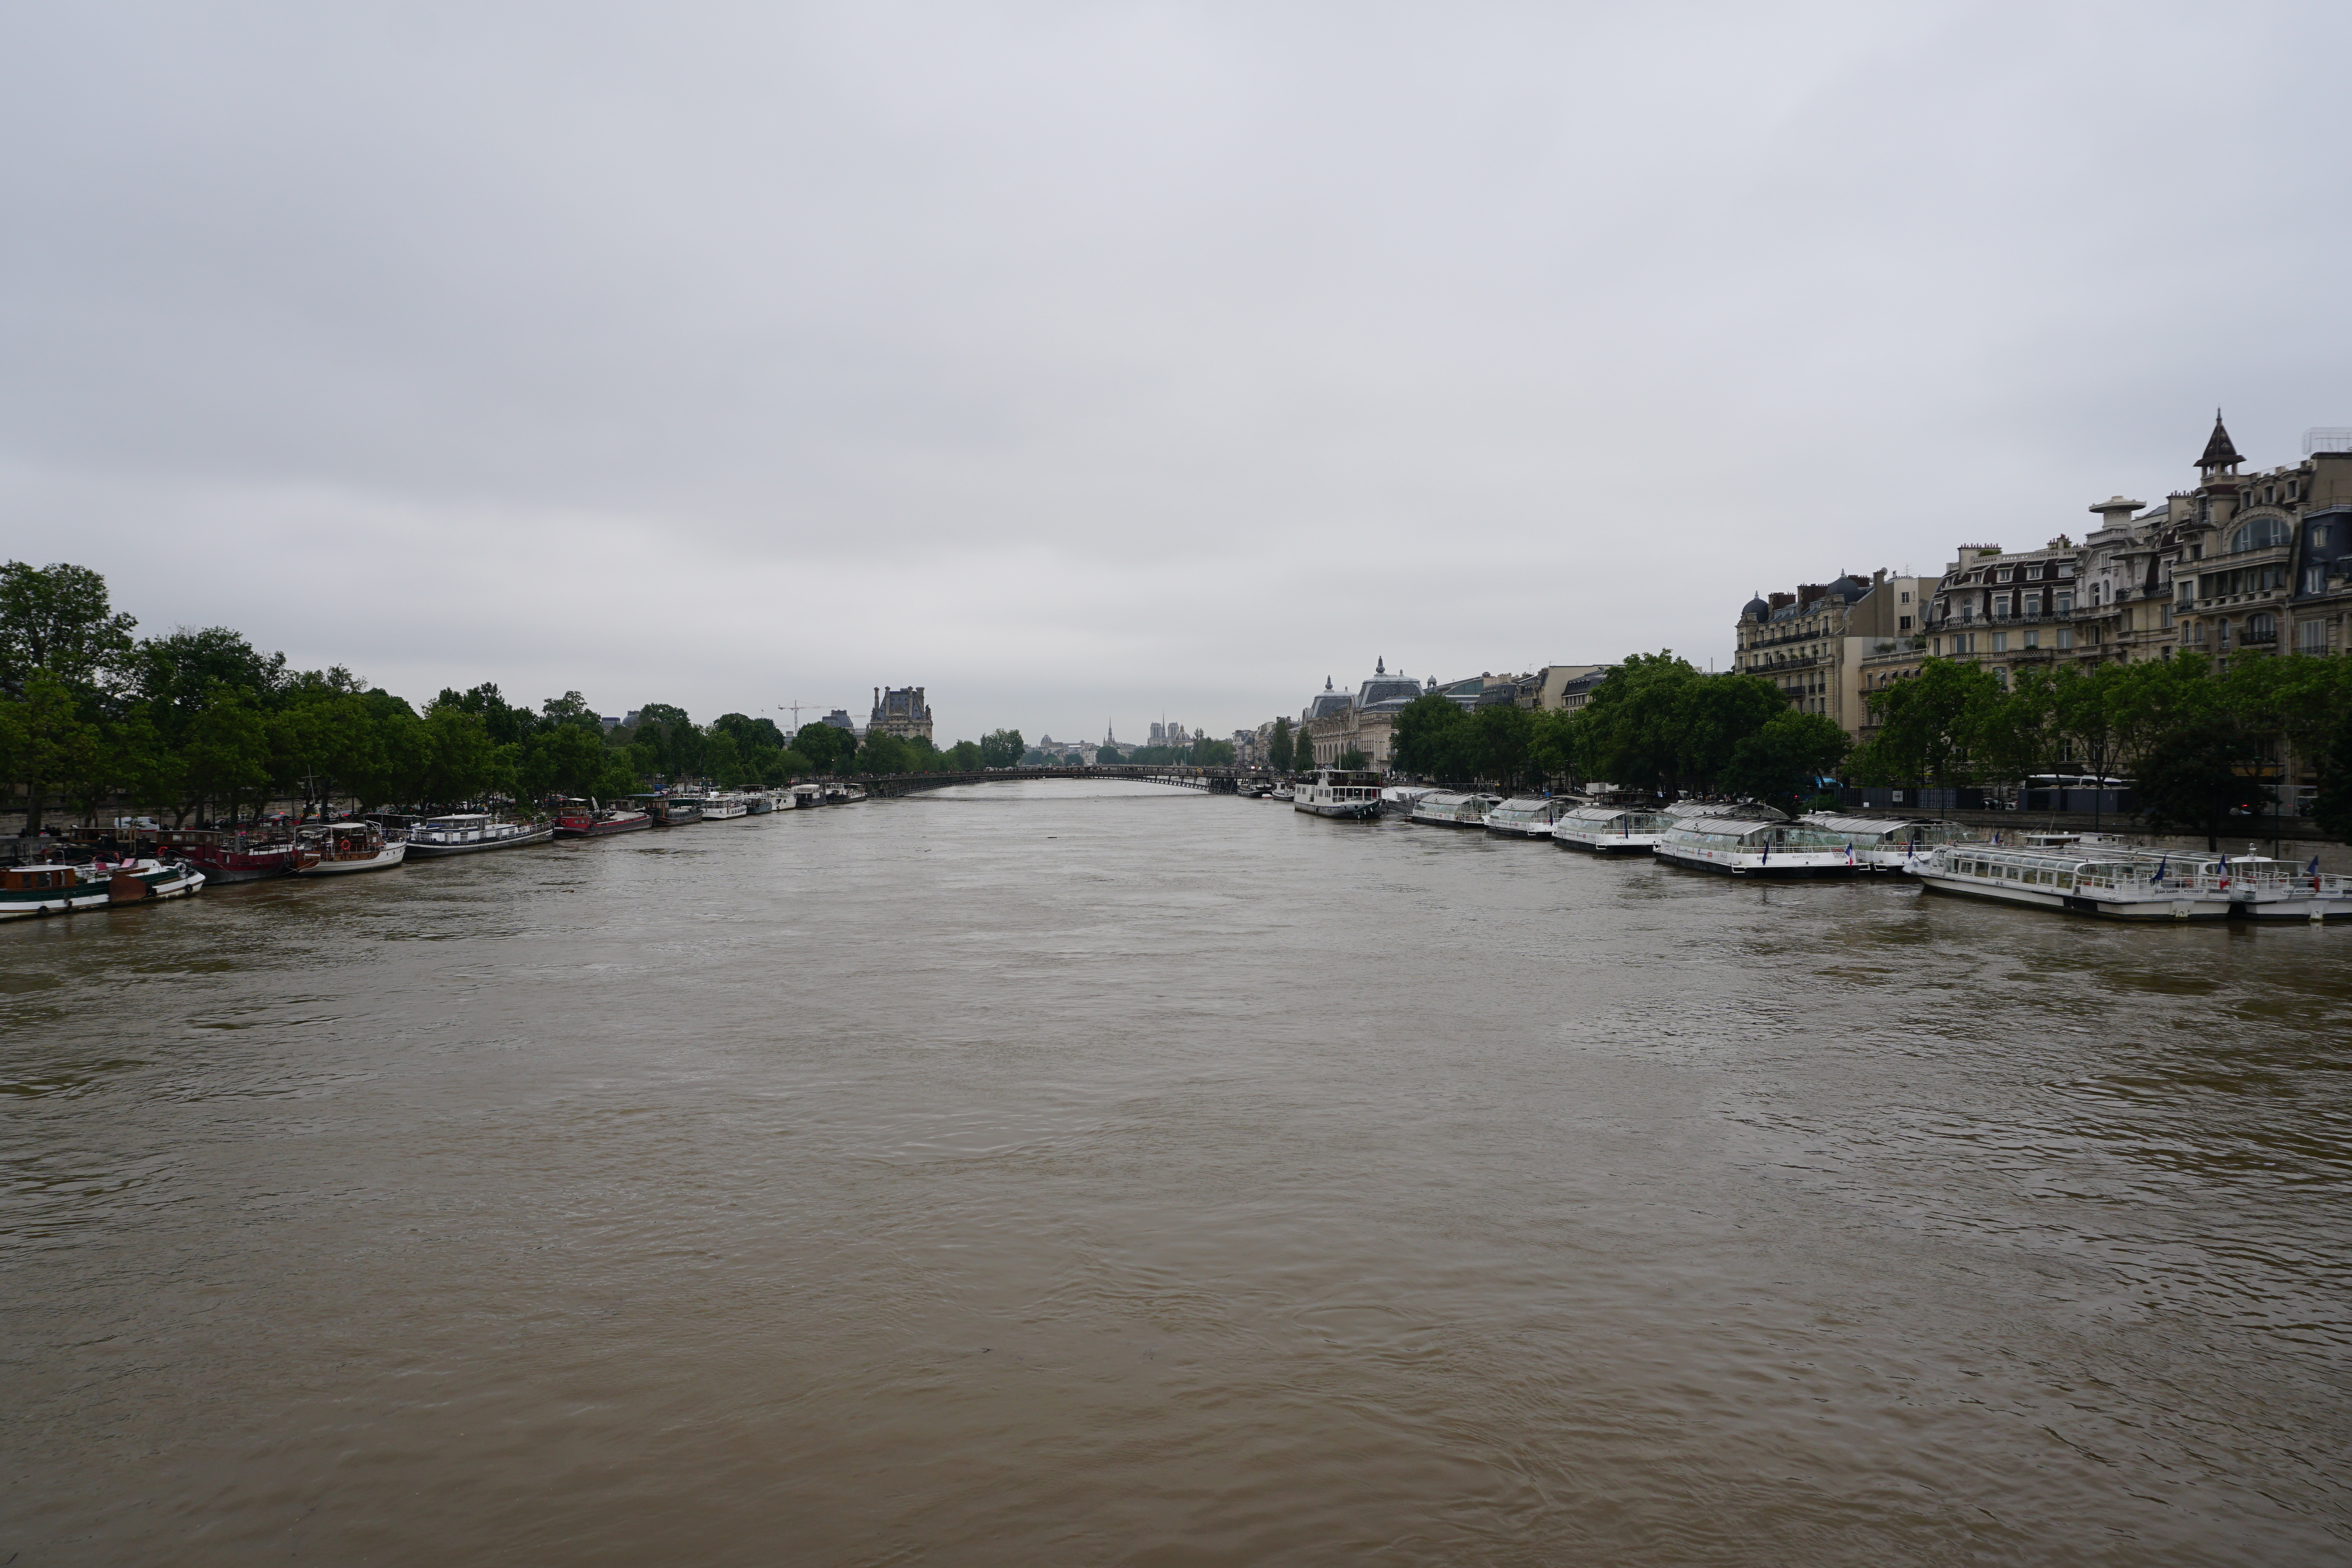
<point>2219,452</point>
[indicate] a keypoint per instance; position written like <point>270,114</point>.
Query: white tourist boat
<point>471,832</point>
<point>1285,791</point>
<point>58,888</point>
<point>1452,809</point>
<point>725,804</point>
<point>1333,792</point>
<point>1747,810</point>
<point>1526,817</point>
<point>1746,847</point>
<point>1610,829</point>
<point>1888,844</point>
<point>2260,887</point>
<point>2117,886</point>
<point>341,847</point>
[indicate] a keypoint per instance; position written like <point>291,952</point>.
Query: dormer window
<point>2004,575</point>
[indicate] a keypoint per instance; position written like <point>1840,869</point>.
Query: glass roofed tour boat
<point>1450,809</point>
<point>1610,829</point>
<point>1334,792</point>
<point>1745,846</point>
<point>1887,843</point>
<point>1526,817</point>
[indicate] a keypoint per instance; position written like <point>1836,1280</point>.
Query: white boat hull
<point>422,851</point>
<point>1749,862</point>
<point>2189,905</point>
<point>139,881</point>
<point>1352,811</point>
<point>384,859</point>
<point>1608,843</point>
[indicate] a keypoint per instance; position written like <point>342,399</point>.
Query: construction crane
<point>794,707</point>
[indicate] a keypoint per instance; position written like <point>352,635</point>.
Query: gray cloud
<point>1077,360</point>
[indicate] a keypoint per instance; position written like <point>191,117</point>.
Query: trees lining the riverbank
<point>1656,722</point>
<point>199,724</point>
<point>2199,737</point>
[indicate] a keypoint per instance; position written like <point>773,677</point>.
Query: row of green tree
<point>200,724</point>
<point>2200,741</point>
<point>1656,723</point>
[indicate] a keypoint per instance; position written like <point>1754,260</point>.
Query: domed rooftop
<point>1756,609</point>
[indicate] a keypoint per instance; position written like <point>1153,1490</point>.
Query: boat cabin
<point>38,878</point>
<point>1618,820</point>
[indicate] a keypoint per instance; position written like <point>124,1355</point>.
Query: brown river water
<point>1061,1173</point>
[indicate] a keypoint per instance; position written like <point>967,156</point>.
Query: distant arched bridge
<point>1216,780</point>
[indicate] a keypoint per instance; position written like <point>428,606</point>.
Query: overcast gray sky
<point>1080,361</point>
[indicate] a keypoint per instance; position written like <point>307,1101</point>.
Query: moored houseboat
<point>1452,809</point>
<point>671,811</point>
<point>1526,816</point>
<point>725,804</point>
<point>2113,887</point>
<point>338,848</point>
<point>1742,847</point>
<point>760,802</point>
<point>227,854</point>
<point>59,888</point>
<point>471,832</point>
<point>1332,792</point>
<point>1610,829</point>
<point>589,819</point>
<point>807,795</point>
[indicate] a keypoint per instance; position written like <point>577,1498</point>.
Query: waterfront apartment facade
<point>1828,644</point>
<point>2236,563</point>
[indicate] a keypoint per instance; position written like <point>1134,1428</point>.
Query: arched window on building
<point>2261,627</point>
<point>2258,533</point>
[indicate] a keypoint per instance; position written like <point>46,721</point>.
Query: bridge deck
<point>1217,780</point>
